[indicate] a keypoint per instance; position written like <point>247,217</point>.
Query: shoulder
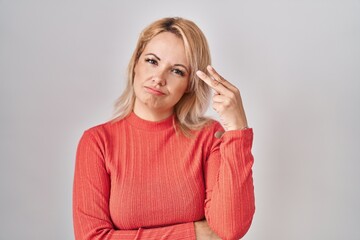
<point>207,133</point>
<point>96,130</point>
<point>104,131</point>
<point>99,138</point>
<point>212,126</point>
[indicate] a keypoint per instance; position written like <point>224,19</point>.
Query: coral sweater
<point>136,179</point>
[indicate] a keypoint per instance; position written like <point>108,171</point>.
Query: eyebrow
<point>178,64</point>
<point>153,55</point>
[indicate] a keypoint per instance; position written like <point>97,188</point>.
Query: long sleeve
<point>230,203</point>
<point>91,193</point>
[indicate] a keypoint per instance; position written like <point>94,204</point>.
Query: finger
<point>220,98</point>
<point>218,107</point>
<point>219,134</point>
<point>219,78</point>
<point>214,84</point>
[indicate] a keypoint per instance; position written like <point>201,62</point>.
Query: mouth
<point>154,91</point>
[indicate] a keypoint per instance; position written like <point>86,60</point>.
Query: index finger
<point>219,88</point>
<point>219,78</point>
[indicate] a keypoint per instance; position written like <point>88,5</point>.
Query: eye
<point>178,72</point>
<point>151,61</point>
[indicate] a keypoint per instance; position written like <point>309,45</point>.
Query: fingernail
<point>200,73</point>
<point>218,134</point>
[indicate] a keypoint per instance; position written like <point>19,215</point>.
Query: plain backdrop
<point>296,63</point>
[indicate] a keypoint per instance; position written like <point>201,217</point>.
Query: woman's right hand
<point>204,232</point>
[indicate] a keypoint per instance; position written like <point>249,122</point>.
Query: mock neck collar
<point>143,124</point>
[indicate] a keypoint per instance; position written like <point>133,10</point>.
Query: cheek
<point>180,89</point>
<point>136,81</point>
<point>136,72</point>
<point>141,73</point>
<point>137,76</point>
<point>185,85</point>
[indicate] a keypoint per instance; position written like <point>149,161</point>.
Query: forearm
<point>230,203</point>
<point>204,232</point>
<point>179,231</point>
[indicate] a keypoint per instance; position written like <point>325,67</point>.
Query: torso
<point>157,175</point>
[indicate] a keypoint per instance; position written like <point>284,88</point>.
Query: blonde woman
<point>160,169</point>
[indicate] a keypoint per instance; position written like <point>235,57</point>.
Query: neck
<point>149,114</point>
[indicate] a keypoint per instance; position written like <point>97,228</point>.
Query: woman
<point>160,169</point>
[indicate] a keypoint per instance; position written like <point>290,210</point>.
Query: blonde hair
<point>190,109</point>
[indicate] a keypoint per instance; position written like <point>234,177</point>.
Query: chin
<point>154,103</point>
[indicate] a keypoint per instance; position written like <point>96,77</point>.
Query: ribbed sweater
<point>137,179</point>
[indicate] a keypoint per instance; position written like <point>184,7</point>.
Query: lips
<point>154,91</point>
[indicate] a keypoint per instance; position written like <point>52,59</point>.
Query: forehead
<point>168,47</point>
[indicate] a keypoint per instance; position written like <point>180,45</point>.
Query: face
<point>161,75</point>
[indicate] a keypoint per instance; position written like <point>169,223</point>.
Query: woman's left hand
<point>226,100</point>
<point>204,232</point>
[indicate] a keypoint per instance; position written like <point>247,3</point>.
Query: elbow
<point>234,234</point>
<point>93,234</point>
<point>239,232</point>
<point>236,229</point>
<point>89,230</point>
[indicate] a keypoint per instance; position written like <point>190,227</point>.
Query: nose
<point>160,77</point>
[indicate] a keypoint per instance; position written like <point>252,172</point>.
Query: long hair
<point>189,110</point>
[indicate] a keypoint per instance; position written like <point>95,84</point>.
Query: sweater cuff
<point>183,231</point>
<point>187,229</point>
<point>246,134</point>
<point>179,231</point>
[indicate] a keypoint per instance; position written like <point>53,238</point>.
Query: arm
<point>204,232</point>
<point>91,193</point>
<point>230,204</point>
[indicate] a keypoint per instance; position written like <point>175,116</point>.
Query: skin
<point>161,78</point>
<point>228,104</point>
<point>226,100</point>
<point>204,232</point>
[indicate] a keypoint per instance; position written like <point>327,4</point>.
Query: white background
<point>297,64</point>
